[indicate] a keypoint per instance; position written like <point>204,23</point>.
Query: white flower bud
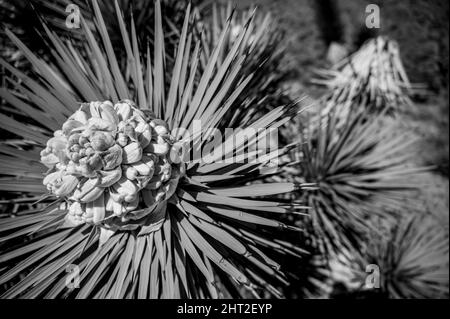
<point>161,130</point>
<point>108,178</point>
<point>158,149</point>
<point>107,112</point>
<point>101,141</point>
<point>132,153</point>
<point>126,187</point>
<point>113,157</point>
<point>75,209</point>
<point>66,186</point>
<point>130,172</point>
<point>123,111</point>
<point>88,191</point>
<point>142,168</point>
<point>122,139</point>
<point>80,116</point>
<point>70,125</point>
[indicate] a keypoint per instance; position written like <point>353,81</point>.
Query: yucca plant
<point>373,78</point>
<point>412,256</point>
<point>362,167</point>
<point>105,158</point>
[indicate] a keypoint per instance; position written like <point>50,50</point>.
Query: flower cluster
<point>113,163</point>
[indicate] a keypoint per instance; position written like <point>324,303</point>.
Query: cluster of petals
<point>112,163</point>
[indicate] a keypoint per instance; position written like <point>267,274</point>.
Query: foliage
<point>372,78</point>
<point>361,166</point>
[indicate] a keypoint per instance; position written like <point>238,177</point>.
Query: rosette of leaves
<point>264,47</point>
<point>372,78</point>
<point>362,168</point>
<point>215,232</point>
<point>412,257</point>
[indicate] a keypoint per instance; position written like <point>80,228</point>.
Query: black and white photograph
<point>246,150</point>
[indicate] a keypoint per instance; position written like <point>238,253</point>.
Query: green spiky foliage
<point>361,166</point>
<point>264,47</point>
<point>372,78</point>
<point>413,259</point>
<point>218,235</point>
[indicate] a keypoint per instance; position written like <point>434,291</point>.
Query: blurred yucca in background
<point>373,78</point>
<point>362,168</point>
<point>412,258</point>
